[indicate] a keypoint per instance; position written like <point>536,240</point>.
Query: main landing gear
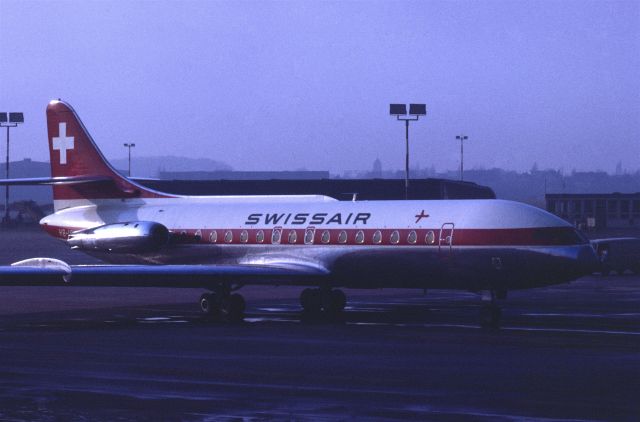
<point>323,300</point>
<point>222,303</point>
<point>490,312</point>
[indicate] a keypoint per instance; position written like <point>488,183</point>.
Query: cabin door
<point>445,241</point>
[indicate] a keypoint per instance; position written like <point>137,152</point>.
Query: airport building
<point>342,189</point>
<point>596,211</point>
<point>244,175</point>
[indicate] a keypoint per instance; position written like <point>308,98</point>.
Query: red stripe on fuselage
<point>541,236</point>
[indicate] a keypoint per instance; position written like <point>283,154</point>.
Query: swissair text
<point>306,218</point>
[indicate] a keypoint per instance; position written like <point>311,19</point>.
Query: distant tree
<point>534,168</point>
<point>377,168</point>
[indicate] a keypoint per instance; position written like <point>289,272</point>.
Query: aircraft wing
<point>37,274</point>
<point>70,180</point>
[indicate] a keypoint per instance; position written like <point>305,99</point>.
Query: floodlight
<point>16,118</point>
<point>129,145</point>
<point>418,109</point>
<point>9,120</point>
<point>415,111</point>
<point>397,109</point>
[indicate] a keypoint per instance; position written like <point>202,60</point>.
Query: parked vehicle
<point>618,254</point>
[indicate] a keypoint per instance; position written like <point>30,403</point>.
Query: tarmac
<point>566,352</point>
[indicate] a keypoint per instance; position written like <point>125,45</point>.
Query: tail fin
<point>73,153</point>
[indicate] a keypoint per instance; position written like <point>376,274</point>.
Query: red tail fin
<point>73,153</point>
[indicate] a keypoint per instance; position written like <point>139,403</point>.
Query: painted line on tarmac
<point>582,315</point>
<point>574,330</point>
<point>477,327</point>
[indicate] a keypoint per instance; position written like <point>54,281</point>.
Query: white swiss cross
<point>62,142</point>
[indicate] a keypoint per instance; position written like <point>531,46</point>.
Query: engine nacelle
<point>134,236</point>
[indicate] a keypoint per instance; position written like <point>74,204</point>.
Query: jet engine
<point>135,237</point>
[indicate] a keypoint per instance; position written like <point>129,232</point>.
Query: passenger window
<point>213,236</point>
<point>293,236</point>
<point>275,236</point>
<point>309,235</point>
<point>198,235</point>
<point>244,236</point>
<point>342,237</point>
<point>360,237</point>
<point>228,236</point>
<point>260,236</point>
<point>413,237</point>
<point>326,237</point>
<point>395,237</point>
<point>430,238</point>
<point>377,237</point>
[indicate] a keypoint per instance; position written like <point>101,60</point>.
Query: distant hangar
<point>341,189</point>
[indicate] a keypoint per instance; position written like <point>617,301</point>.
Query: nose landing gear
<point>490,311</point>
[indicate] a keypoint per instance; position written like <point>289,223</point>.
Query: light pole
<point>415,111</point>
<point>129,146</point>
<point>462,138</point>
<point>13,120</point>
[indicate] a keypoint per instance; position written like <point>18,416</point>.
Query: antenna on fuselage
<point>354,195</point>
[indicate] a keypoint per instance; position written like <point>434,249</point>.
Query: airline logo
<point>306,218</point>
<point>62,142</point>
<point>421,216</point>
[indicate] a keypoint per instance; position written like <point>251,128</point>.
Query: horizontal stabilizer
<point>64,180</point>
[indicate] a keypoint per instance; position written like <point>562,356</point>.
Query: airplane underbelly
<point>464,268</point>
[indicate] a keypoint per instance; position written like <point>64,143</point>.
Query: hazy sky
<point>292,84</point>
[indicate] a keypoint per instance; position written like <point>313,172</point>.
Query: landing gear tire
<point>208,304</point>
<point>490,316</point>
<point>310,300</point>
<point>232,308</point>
<point>337,301</point>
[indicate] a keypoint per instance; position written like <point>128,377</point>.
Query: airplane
<point>221,243</point>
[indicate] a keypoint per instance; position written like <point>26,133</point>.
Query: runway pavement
<point>567,352</point>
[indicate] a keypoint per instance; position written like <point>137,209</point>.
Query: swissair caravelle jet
<point>221,243</point>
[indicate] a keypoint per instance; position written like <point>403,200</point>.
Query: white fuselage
<point>467,244</point>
